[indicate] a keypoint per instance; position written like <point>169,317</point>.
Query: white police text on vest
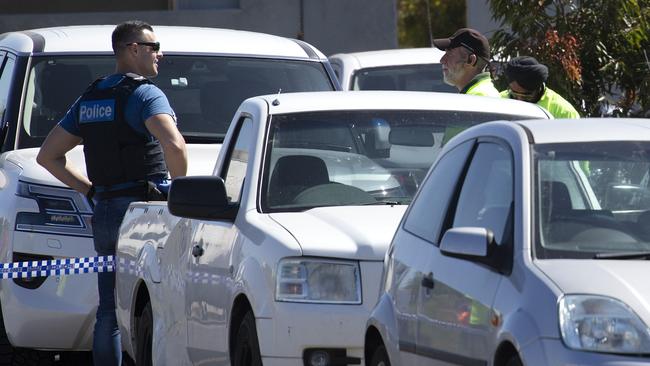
<point>96,111</point>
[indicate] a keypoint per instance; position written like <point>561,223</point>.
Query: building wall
<point>330,25</point>
<point>479,17</point>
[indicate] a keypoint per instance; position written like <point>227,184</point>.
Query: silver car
<point>527,244</point>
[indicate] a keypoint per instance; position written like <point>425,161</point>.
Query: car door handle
<point>197,251</point>
<point>427,281</point>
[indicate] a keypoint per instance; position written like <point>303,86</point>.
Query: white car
<point>527,244</point>
<point>414,69</point>
<point>276,257</point>
<point>205,73</point>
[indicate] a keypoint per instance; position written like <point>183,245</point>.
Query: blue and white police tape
<point>57,267</point>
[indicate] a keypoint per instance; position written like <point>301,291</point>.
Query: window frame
<point>223,172</point>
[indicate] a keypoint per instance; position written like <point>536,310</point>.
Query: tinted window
<point>425,217</point>
<point>403,77</point>
<point>204,91</point>
<point>487,195</point>
<point>238,161</point>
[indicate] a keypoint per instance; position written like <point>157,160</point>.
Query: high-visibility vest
<point>481,85</point>
<point>553,102</point>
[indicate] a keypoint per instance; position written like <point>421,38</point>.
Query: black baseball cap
<point>468,38</point>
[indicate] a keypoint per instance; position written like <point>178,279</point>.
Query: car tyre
<point>247,348</point>
<point>144,337</point>
<point>380,357</point>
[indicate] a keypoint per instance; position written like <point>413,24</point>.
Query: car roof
<point>397,100</point>
<point>588,129</point>
<point>90,39</point>
<point>402,56</point>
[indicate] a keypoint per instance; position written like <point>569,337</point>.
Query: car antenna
<point>276,101</point>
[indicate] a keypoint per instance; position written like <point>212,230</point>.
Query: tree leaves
<point>594,49</point>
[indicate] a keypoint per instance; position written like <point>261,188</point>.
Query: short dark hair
<point>127,32</point>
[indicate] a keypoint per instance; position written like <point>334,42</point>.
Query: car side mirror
<point>477,244</point>
<point>467,242</point>
<point>200,197</point>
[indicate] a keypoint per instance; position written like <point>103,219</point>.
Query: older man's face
<point>453,63</point>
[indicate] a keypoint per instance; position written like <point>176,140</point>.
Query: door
<point>414,244</point>
<point>209,278</point>
<point>455,310</point>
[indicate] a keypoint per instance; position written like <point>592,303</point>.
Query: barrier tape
<point>57,267</point>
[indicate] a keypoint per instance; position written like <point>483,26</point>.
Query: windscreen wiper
<point>623,255</point>
<point>383,202</point>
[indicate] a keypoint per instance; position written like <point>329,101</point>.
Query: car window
<point>235,169</point>
<point>426,215</point>
<point>360,157</point>
<point>486,197</point>
<point>5,85</point>
<point>592,198</point>
<point>204,91</point>
<point>402,77</point>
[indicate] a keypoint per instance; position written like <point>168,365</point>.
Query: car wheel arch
<point>372,340</point>
<point>141,299</point>
<point>504,353</point>
<point>241,305</point>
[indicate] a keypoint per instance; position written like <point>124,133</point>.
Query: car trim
<point>436,354</point>
<point>529,135</point>
<point>308,50</point>
<point>39,41</point>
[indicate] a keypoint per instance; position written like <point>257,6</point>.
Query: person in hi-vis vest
<point>467,56</point>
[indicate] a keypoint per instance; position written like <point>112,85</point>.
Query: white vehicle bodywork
<point>522,307</point>
<point>347,65</point>
<point>197,301</point>
<point>67,304</point>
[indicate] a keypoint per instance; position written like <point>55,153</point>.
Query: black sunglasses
<point>155,46</point>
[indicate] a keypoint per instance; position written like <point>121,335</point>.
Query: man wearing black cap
<point>467,53</point>
<point>526,78</point>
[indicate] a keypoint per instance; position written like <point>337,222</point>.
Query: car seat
<point>293,174</point>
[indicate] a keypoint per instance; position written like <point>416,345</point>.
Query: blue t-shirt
<point>145,101</point>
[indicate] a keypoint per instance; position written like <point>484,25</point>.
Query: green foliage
<point>595,50</point>
<point>413,23</point>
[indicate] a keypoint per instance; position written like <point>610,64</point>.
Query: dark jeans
<point>107,347</point>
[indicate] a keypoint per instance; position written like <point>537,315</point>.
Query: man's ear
<point>472,59</point>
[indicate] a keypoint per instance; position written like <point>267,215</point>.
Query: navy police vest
<point>115,153</point>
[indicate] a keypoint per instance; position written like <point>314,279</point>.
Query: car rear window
<point>426,77</point>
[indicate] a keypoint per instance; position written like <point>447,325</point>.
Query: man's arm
<point>162,127</point>
<point>52,157</point>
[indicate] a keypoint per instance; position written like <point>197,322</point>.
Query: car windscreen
<point>339,158</point>
<point>592,199</point>
<point>427,77</point>
<point>204,91</point>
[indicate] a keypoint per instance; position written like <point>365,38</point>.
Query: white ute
<point>206,74</point>
<point>279,262</point>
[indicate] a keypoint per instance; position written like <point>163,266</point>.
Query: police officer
<point>526,81</point>
<point>131,145</point>
<point>467,55</point>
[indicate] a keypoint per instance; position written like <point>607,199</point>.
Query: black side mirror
<point>200,197</point>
